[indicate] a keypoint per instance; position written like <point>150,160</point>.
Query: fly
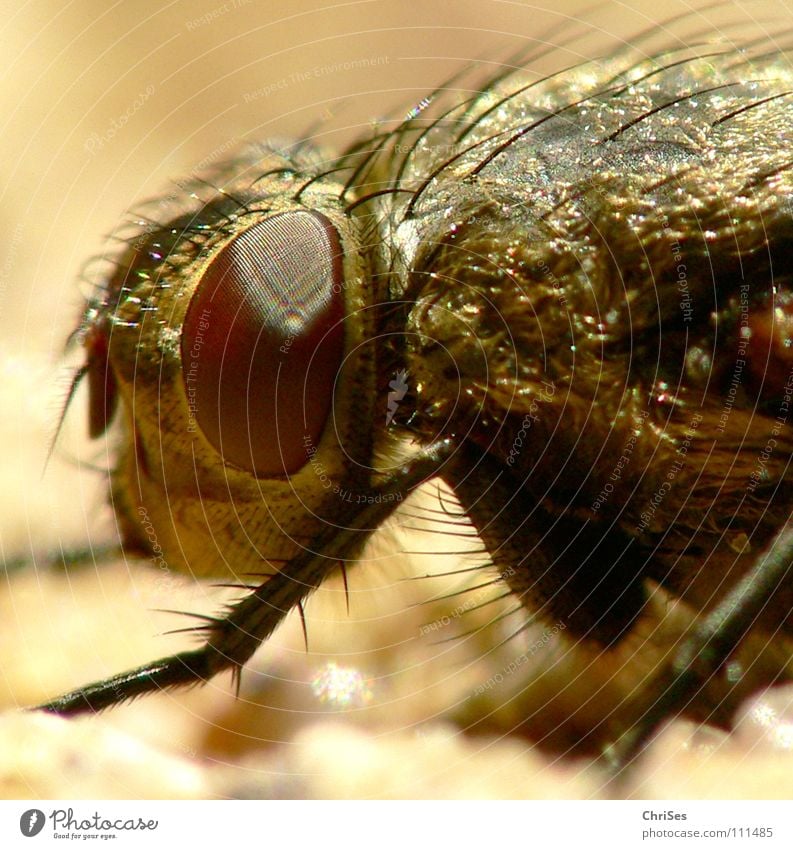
<point>568,299</point>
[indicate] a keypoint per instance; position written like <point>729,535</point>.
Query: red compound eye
<point>102,390</point>
<point>263,340</point>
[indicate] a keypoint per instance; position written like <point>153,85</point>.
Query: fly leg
<point>233,639</point>
<point>706,652</point>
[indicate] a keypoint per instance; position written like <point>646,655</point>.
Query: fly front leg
<point>233,639</point>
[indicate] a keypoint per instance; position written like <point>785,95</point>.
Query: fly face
<point>237,340</point>
<point>586,281</point>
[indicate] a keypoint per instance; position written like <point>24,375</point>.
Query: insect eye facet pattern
<point>550,321</point>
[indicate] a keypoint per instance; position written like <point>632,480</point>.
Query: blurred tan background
<point>100,106</point>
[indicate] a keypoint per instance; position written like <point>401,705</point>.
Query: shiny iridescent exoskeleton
<point>585,283</point>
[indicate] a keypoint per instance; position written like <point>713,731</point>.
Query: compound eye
<point>102,389</point>
<point>263,340</point>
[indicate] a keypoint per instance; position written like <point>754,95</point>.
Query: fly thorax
<point>488,333</point>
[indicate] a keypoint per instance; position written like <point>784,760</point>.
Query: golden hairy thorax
<point>607,312</point>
